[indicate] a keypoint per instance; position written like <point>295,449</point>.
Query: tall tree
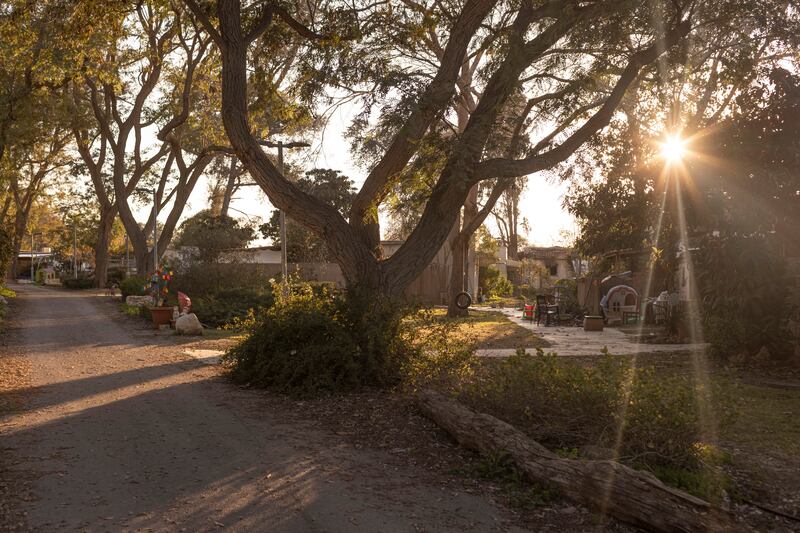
<point>152,72</point>
<point>327,185</point>
<point>29,169</point>
<point>578,60</point>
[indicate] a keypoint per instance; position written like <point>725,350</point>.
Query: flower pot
<point>593,323</point>
<point>161,316</point>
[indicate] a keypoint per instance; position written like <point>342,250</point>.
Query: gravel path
<point>122,430</point>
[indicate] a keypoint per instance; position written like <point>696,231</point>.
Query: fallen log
<point>634,497</point>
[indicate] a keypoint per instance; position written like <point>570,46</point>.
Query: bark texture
<point>631,496</point>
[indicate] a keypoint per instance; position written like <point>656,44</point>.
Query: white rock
<point>188,325</point>
<point>3,300</point>
<point>139,301</point>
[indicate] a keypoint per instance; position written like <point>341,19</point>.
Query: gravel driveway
<point>121,430</point>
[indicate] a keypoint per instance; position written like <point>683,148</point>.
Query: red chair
<point>527,312</point>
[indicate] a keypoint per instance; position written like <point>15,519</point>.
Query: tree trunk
<point>101,256</point>
<point>629,495</point>
<point>20,224</point>
<point>229,188</point>
<point>458,250</point>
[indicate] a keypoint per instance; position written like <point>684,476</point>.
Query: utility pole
<point>32,278</point>
<point>75,250</point>
<point>155,230</point>
<point>280,145</point>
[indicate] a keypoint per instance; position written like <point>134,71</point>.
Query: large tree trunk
<point>629,495</point>
<point>101,256</point>
<point>20,225</point>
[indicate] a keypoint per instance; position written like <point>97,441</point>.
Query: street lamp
<point>280,145</point>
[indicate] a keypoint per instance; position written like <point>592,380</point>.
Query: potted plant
<point>160,313</point>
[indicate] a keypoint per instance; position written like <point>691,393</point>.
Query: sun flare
<point>673,149</point>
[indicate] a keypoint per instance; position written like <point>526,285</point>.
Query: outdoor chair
<point>547,309</point>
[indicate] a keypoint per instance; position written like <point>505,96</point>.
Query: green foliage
<point>39,277</point>
<point>330,186</point>
<point>6,251</point>
<point>5,292</point>
<point>229,306</point>
<point>77,284</point>
<point>223,293</point>
<point>115,276</point>
<point>313,341</point>
<point>212,235</point>
<point>501,468</point>
<point>493,284</point>
<point>564,404</point>
<point>567,293</point>
<point>743,287</point>
<point>130,310</point>
<point>133,286</point>
<point>302,345</point>
<point>710,484</point>
<point>435,353</point>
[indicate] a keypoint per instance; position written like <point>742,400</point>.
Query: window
<point>553,270</point>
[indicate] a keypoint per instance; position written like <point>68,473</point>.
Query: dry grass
<point>490,329</point>
<point>768,420</point>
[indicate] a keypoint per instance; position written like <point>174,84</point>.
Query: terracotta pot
<point>161,316</point>
<point>593,323</point>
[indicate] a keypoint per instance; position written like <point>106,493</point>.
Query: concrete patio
<point>574,341</point>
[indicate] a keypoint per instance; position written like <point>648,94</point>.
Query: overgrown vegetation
<point>315,340</point>
<point>224,293</point>
<point>305,344</point>
<point>133,286</point>
<point>745,307</point>
<point>647,419</point>
<point>77,283</point>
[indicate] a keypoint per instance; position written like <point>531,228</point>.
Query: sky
<point>541,202</point>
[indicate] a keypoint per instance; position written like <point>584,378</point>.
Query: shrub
<point>6,251</point>
<point>435,353</point>
<point>302,345</point>
<point>133,286</point>
<point>228,306</point>
<point>116,275</point>
<point>500,286</point>
<point>80,283</point>
<point>564,404</point>
<point>39,277</point>
<point>567,291</point>
<point>744,298</point>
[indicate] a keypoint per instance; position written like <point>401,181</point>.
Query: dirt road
<point>123,431</point>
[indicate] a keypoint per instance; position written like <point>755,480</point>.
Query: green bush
<point>744,298</point>
<point>229,305</point>
<point>497,287</point>
<point>302,345</point>
<point>6,251</point>
<point>133,286</point>
<point>564,404</point>
<point>39,277</point>
<point>80,283</point>
<point>115,275</point>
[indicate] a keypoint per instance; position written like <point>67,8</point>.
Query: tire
<point>463,300</point>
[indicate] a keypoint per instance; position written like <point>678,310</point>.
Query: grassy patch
<point>768,420</point>
<point>488,329</point>
<point>500,469</point>
<point>130,310</point>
